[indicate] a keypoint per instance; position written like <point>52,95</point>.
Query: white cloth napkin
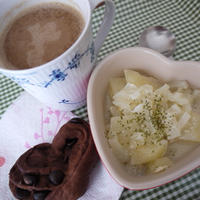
<point>26,123</point>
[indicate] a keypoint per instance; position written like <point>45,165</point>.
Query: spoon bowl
<point>159,39</point>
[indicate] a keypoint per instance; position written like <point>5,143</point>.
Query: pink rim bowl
<point>152,63</point>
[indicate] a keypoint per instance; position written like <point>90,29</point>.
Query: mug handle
<point>106,24</point>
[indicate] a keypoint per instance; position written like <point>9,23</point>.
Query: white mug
<point>62,82</point>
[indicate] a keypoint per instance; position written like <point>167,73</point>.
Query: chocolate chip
<point>70,142</point>
<point>56,177</point>
<point>21,194</point>
<point>76,121</point>
<point>41,195</point>
<point>30,179</point>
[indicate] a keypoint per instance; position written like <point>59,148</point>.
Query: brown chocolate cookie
<point>57,171</point>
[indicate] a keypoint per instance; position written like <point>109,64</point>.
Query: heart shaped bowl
<point>154,64</point>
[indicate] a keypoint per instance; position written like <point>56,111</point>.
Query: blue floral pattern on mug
<point>21,81</point>
<point>75,61</point>
<point>57,74</point>
<point>65,101</point>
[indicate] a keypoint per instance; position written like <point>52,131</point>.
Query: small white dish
<point>152,63</point>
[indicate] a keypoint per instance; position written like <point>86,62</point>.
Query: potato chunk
<point>115,85</point>
<point>139,80</point>
<point>120,152</point>
<point>159,165</point>
<point>148,153</point>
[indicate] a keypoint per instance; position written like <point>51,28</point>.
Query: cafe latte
<point>39,34</point>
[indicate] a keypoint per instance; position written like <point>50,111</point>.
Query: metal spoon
<point>159,39</point>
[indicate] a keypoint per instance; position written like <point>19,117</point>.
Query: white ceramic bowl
<point>154,64</point>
